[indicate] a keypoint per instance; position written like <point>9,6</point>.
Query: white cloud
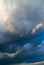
<point>37,27</point>
<point>9,55</point>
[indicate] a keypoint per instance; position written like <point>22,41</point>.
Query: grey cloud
<point>24,15</point>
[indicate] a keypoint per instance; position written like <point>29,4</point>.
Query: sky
<point>21,31</point>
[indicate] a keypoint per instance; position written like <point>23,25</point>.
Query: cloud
<point>9,55</point>
<point>36,63</point>
<point>37,27</point>
<point>19,19</point>
<point>20,13</point>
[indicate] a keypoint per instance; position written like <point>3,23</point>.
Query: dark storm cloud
<point>18,43</point>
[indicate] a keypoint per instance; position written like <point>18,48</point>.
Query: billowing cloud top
<point>21,31</point>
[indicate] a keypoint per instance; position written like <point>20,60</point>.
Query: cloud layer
<point>21,30</point>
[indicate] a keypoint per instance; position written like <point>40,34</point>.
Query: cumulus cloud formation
<point>22,30</point>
